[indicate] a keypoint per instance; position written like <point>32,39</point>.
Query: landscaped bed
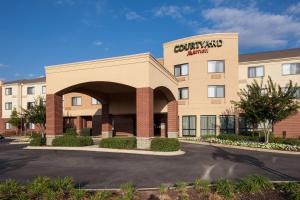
<point>251,141</point>
<point>248,188</point>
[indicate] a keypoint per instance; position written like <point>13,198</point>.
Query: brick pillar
<point>173,119</point>
<point>79,124</point>
<point>106,122</point>
<point>54,119</point>
<point>144,117</point>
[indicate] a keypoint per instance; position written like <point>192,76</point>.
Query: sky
<point>39,33</point>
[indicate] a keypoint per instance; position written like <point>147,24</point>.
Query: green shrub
<point>101,195</point>
<point>292,190</point>
<point>118,143</point>
<point>85,132</point>
<point>253,184</point>
<point>225,188</point>
<point>182,190</point>
<point>201,186</point>
<point>38,187</point>
<point>128,191</point>
<point>10,189</point>
<point>162,189</point>
<point>78,194</point>
<point>70,131</point>
<point>53,195</point>
<point>72,141</point>
<point>62,185</point>
<point>37,140</point>
<point>165,144</point>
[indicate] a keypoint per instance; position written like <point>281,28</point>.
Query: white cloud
<point>2,65</point>
<point>175,12</point>
<point>131,15</point>
<point>255,28</point>
<point>295,8</point>
<point>97,43</point>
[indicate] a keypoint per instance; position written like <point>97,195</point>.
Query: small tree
<point>37,114</point>
<point>15,119</point>
<point>267,104</point>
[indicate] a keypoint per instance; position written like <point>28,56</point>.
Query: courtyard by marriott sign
<point>198,47</point>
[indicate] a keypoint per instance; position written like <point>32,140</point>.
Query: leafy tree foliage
<point>15,119</point>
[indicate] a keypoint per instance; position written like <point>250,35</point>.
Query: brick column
<point>173,119</point>
<point>79,124</point>
<point>54,119</point>
<point>106,119</point>
<point>144,117</point>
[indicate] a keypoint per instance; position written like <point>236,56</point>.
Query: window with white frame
<point>216,91</point>
<point>8,106</point>
<point>44,89</point>
<point>30,104</point>
<point>8,126</point>
<point>183,93</point>
<point>30,90</point>
<point>181,70</point>
<point>76,101</point>
<point>216,66</point>
<point>31,126</point>
<point>290,68</point>
<point>95,101</point>
<point>8,91</point>
<point>256,71</point>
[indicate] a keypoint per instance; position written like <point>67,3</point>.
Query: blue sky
<point>37,33</point>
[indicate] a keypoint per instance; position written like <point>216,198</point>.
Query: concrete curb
<point>240,147</point>
<point>95,148</point>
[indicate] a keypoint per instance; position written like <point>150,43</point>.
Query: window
<point>30,90</point>
<point>216,66</point>
<point>8,106</point>
<point>181,70</point>
<point>30,126</point>
<point>208,124</point>
<point>298,93</point>
<point>44,89</point>
<point>189,126</point>
<point>291,68</point>
<point>30,104</point>
<point>257,71</point>
<point>244,125</point>
<point>8,91</point>
<point>8,126</point>
<point>76,101</point>
<point>95,101</point>
<point>227,124</point>
<point>183,93</point>
<point>216,91</point>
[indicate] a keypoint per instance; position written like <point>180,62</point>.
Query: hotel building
<point>186,93</point>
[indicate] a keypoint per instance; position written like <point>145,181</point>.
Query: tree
<point>36,114</point>
<point>15,119</point>
<point>267,104</point>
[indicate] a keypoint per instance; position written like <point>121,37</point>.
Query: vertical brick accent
<point>54,114</point>
<point>291,126</point>
<point>173,117</point>
<point>106,119</point>
<point>144,112</point>
<point>79,123</point>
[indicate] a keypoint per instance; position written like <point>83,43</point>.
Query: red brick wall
<point>172,116</point>
<point>290,125</point>
<point>144,112</point>
<point>96,125</point>
<point>124,125</point>
<point>106,119</point>
<point>54,121</point>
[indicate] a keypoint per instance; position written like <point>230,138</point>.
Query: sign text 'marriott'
<point>198,47</point>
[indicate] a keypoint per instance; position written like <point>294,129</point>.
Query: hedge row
<point>72,141</point>
<point>118,143</point>
<point>37,140</point>
<point>165,144</point>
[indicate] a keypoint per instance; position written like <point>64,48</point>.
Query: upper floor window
<point>95,101</point>
<point>181,70</point>
<point>30,90</point>
<point>44,89</point>
<point>76,101</point>
<point>257,71</point>
<point>183,93</point>
<point>30,104</point>
<point>216,91</point>
<point>8,106</point>
<point>291,68</point>
<point>216,66</point>
<point>8,91</point>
